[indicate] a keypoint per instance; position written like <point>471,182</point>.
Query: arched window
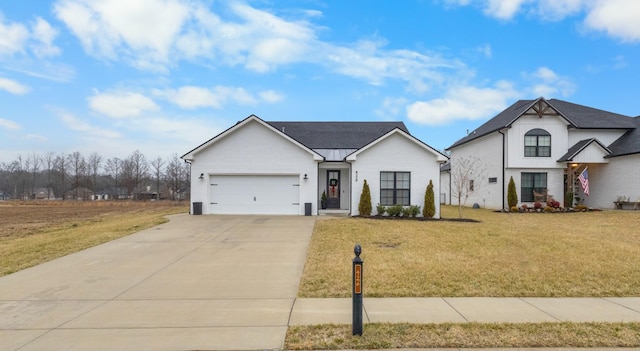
<point>537,143</point>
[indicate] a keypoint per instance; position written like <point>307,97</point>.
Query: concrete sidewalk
<point>468,309</point>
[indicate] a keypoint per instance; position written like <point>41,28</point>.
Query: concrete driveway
<point>196,282</point>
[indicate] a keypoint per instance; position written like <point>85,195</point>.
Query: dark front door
<point>333,189</point>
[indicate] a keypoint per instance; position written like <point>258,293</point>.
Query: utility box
<point>307,208</point>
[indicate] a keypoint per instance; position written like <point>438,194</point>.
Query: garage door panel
<point>263,194</point>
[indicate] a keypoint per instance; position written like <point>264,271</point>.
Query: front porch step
<point>334,213</point>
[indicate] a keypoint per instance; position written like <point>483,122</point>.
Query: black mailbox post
<point>357,291</point>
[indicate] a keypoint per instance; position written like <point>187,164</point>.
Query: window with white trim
<point>537,143</point>
<point>530,183</point>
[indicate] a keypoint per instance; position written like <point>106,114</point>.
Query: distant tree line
<point>78,177</point>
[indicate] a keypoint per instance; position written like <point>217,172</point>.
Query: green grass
<point>505,254</point>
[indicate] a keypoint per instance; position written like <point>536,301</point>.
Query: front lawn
<point>505,254</point>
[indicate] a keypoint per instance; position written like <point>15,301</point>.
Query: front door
<point>333,189</point>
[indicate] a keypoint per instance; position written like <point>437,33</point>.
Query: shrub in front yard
<point>364,207</point>
<point>395,210</point>
<point>380,210</point>
<point>512,195</point>
<point>429,209</point>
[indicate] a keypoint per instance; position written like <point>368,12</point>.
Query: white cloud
<point>16,37</point>
<point>152,34</point>
<point>545,82</point>
<point>271,96</point>
<point>145,33</point>
<point>44,35</point>
<point>192,97</point>
<point>618,18</point>
<point>391,108</point>
<point>503,9</point>
<point>368,61</point>
<point>37,137</point>
<point>13,37</point>
<point>142,30</point>
<point>559,9</point>
<point>78,125</point>
<point>10,125</point>
<point>463,103</point>
<point>121,104</point>
<point>13,87</point>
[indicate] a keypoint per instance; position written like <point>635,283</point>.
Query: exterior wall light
<point>305,177</point>
<point>201,176</point>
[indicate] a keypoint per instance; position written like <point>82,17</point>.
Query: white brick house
<point>544,145</point>
<point>259,167</point>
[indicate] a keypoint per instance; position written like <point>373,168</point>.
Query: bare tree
<point>464,172</point>
<point>114,169</point>
<point>177,175</point>
<point>78,167</point>
<point>94,162</point>
<point>33,167</point>
<point>156,166</point>
<point>61,166</point>
<point>48,161</point>
<point>139,169</point>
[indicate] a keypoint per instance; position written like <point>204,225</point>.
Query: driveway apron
<point>197,282</point>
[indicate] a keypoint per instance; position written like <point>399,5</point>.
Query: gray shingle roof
<point>337,135</point>
<point>579,116</point>
<point>627,144</point>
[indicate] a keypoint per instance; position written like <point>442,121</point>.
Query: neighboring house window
<point>471,186</point>
<point>493,180</point>
<point>537,143</point>
<point>395,188</point>
<point>530,183</point>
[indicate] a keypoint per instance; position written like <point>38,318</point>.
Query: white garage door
<point>255,194</point>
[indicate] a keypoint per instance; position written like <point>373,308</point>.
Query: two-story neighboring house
<point>545,145</point>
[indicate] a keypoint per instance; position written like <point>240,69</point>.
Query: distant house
<point>259,167</point>
<point>79,193</point>
<point>112,193</point>
<point>4,196</point>
<point>43,194</point>
<point>545,145</point>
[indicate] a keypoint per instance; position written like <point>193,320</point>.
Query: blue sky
<point>163,76</point>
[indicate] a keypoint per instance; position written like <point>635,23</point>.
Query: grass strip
<point>48,243</point>
<point>467,335</point>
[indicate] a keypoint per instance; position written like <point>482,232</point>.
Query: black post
<point>357,291</point>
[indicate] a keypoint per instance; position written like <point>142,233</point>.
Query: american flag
<point>584,180</point>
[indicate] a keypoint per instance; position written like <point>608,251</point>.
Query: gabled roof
<point>577,116</point>
<point>440,156</point>
<point>578,147</point>
<point>336,135</point>
<point>189,155</point>
<point>627,144</point>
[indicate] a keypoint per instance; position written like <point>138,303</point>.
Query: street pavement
<point>223,283</point>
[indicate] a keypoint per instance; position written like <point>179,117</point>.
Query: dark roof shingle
<point>579,116</point>
<point>627,144</point>
<point>336,135</point>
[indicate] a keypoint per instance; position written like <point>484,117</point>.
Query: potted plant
<point>323,200</point>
